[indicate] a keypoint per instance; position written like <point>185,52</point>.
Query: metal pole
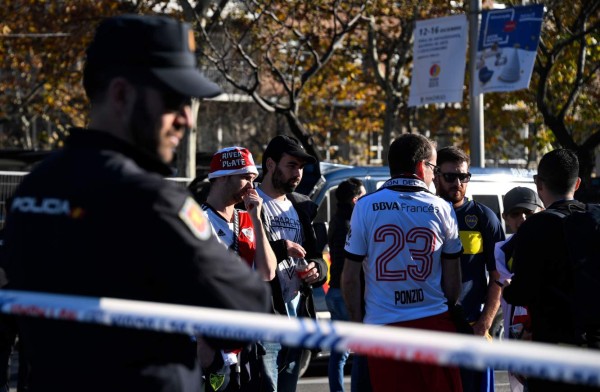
<point>476,100</point>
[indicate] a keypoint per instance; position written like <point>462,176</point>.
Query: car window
<point>327,207</point>
<point>490,201</point>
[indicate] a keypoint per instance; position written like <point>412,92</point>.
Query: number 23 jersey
<point>402,231</point>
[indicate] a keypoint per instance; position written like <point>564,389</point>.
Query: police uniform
<point>98,219</point>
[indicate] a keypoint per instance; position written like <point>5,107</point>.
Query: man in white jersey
<point>232,171</point>
<point>407,240</point>
<point>287,217</point>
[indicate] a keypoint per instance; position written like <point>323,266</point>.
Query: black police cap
<point>160,45</point>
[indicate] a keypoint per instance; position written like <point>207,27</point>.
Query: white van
<point>487,186</point>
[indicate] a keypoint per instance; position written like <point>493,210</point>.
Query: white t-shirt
<point>403,233</point>
<point>222,229</point>
<point>502,268</point>
<point>282,223</point>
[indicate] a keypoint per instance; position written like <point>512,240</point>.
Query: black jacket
<point>542,280</point>
<point>338,229</point>
<point>307,210</point>
<point>98,219</point>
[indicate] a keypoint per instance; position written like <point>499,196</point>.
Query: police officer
<point>98,219</point>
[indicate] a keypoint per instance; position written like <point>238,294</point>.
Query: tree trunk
<point>389,123</point>
<point>586,165</point>
<point>300,133</point>
<point>186,151</point>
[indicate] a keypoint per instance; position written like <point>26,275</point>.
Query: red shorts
<point>389,375</point>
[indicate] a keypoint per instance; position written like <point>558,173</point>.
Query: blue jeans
<point>288,360</point>
<point>337,308</point>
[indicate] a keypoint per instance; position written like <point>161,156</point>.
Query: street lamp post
<point>476,100</point>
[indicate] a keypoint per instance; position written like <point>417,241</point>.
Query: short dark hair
<point>283,144</point>
<point>406,151</point>
<point>452,154</point>
<point>559,170</point>
<point>95,82</point>
<point>97,79</point>
<point>348,190</point>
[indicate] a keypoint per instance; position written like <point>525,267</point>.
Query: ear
<point>577,183</point>
<point>539,187</point>
<point>121,95</point>
<point>420,169</point>
<point>270,164</point>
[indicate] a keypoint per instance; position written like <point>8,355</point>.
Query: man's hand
<point>253,203</point>
<point>294,249</point>
<point>480,328</point>
<point>310,275</point>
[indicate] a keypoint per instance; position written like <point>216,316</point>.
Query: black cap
<point>160,45</point>
<point>521,197</point>
<point>284,144</point>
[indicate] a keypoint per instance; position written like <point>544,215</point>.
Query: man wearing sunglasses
<point>480,229</point>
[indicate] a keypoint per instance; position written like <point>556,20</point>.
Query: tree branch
<point>372,52</point>
<point>578,83</point>
<point>336,40</point>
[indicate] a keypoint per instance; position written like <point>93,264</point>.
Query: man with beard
<point>98,219</point>
<point>479,230</point>
<point>232,171</point>
<point>287,217</point>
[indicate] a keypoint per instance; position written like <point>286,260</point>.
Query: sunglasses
<point>451,177</point>
<point>174,101</point>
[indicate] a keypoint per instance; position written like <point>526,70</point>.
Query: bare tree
<point>390,57</point>
<point>567,67</point>
<point>270,50</point>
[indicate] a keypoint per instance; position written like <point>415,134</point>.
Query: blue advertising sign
<point>507,46</point>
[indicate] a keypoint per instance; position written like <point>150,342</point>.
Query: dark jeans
<point>9,342</point>
<point>337,360</point>
<point>360,381</point>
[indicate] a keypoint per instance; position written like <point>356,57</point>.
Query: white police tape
<point>572,365</point>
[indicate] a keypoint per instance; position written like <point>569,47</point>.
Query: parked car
<point>487,186</point>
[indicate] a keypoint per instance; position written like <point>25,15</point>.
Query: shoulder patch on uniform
<point>192,215</point>
<point>216,381</point>
<point>471,221</point>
